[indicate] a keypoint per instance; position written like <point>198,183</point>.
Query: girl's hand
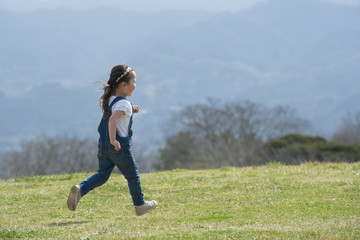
<point>116,145</point>
<point>136,109</point>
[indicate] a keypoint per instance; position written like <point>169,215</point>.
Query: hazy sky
<point>143,5</point>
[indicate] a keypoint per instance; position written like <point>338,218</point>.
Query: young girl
<point>115,141</point>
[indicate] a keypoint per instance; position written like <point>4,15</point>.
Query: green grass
<point>310,201</point>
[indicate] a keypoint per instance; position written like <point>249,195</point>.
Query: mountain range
<point>303,54</point>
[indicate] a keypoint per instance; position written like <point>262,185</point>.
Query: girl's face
<point>130,87</point>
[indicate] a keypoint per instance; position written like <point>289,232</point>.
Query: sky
<point>143,5</point>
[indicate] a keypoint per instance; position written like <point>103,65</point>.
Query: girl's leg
<point>105,168</point>
<point>125,161</point>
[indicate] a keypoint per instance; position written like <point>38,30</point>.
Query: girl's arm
<point>114,119</point>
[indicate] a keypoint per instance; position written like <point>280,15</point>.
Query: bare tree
<point>224,133</point>
<point>349,131</point>
<point>61,154</point>
<point>49,155</point>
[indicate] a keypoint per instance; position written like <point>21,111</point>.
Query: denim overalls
<point>108,158</point>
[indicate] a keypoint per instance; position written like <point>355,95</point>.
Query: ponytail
<point>104,99</point>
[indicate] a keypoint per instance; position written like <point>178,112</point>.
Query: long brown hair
<point>114,81</point>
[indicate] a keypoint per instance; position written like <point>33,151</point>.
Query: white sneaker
<point>74,197</point>
<point>145,208</point>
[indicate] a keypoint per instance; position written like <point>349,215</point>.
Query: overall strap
<point>108,110</point>
<point>115,101</point>
<point>130,132</point>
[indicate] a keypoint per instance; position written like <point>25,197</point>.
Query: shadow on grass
<point>65,223</point>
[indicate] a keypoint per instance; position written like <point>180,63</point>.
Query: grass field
<point>310,201</point>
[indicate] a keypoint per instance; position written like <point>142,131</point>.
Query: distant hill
<point>304,54</point>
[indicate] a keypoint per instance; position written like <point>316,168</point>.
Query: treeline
<point>216,134</point>
<point>48,155</point>
<point>208,135</point>
<point>297,149</point>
